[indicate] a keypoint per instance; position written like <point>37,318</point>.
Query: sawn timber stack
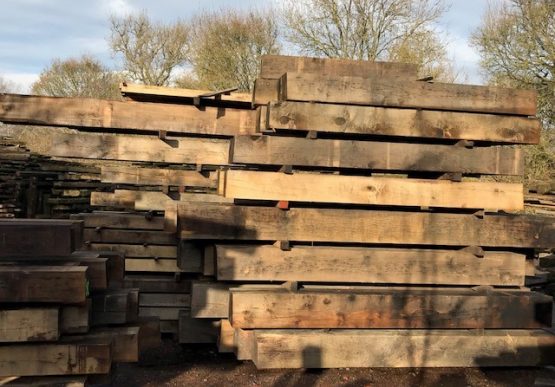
<point>346,217</point>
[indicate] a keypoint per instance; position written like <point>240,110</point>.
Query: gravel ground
<point>175,365</point>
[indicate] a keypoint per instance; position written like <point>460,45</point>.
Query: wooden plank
<point>160,265</point>
<point>194,330</point>
<point>125,342</point>
<point>55,359</point>
<point>75,318</point>
<point>365,120</point>
<point>212,221</point>
<point>147,200</point>
<point>157,176</point>
<point>307,348</point>
<point>226,337</point>
<point>170,327</point>
<point>380,156</point>
<point>135,116</point>
<point>163,313</point>
<point>123,220</point>
<point>210,300</point>
<point>119,306</point>
<point>133,148</point>
<point>148,92</point>
<point>130,236</point>
<point>173,300</point>
<point>190,257</point>
<point>274,66</point>
<point>56,284</point>
<point>368,265</point>
<point>46,381</point>
<point>50,237</point>
<point>244,342</point>
<point>157,283</point>
<point>390,309</point>
<point>29,324</point>
<point>138,251</point>
<point>379,91</point>
<point>326,188</point>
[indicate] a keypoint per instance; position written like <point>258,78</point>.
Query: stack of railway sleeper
<point>65,316</point>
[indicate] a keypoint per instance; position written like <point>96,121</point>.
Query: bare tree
<point>7,86</point>
<point>517,45</point>
<point>226,47</point>
<point>151,52</point>
<point>77,77</point>
<point>395,30</point>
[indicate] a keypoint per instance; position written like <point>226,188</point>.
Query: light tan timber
<point>326,188</point>
<point>141,116</point>
<point>368,265</point>
<point>226,337</point>
<point>148,200</point>
<point>133,148</point>
<point>402,122</point>
<point>274,66</point>
<point>379,91</point>
<point>29,324</point>
<point>151,265</point>
<point>138,251</point>
<point>55,284</point>
<point>46,381</point>
<point>304,348</point>
<point>244,342</point>
<point>385,156</point>
<point>390,308</point>
<point>157,176</point>
<point>131,89</point>
<point>210,300</point>
<point>111,219</point>
<point>55,359</point>
<point>213,221</point>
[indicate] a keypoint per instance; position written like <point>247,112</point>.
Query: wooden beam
<point>274,66</point>
<point>304,348</point>
<point>188,150</point>
<point>380,156</point>
<point>379,91</point>
<point>390,309</point>
<point>326,188</point>
<point>29,324</point>
<point>130,236</point>
<point>210,300</point>
<point>55,359</point>
<point>55,284</point>
<point>75,318</point>
<point>157,284</point>
<point>167,300</point>
<point>49,237</point>
<point>158,176</point>
<point>125,341</point>
<point>213,221</point>
<point>160,312</point>
<point>162,265</point>
<point>113,306</point>
<point>111,219</point>
<point>368,265</point>
<point>138,251</point>
<point>197,331</point>
<point>132,116</point>
<point>365,120</point>
<point>149,92</point>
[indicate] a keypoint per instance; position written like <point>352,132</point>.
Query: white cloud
<point>22,81</point>
<point>117,7</point>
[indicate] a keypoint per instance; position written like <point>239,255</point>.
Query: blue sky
<point>33,32</point>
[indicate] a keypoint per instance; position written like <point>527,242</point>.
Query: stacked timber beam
<point>340,220</point>
<point>63,312</point>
